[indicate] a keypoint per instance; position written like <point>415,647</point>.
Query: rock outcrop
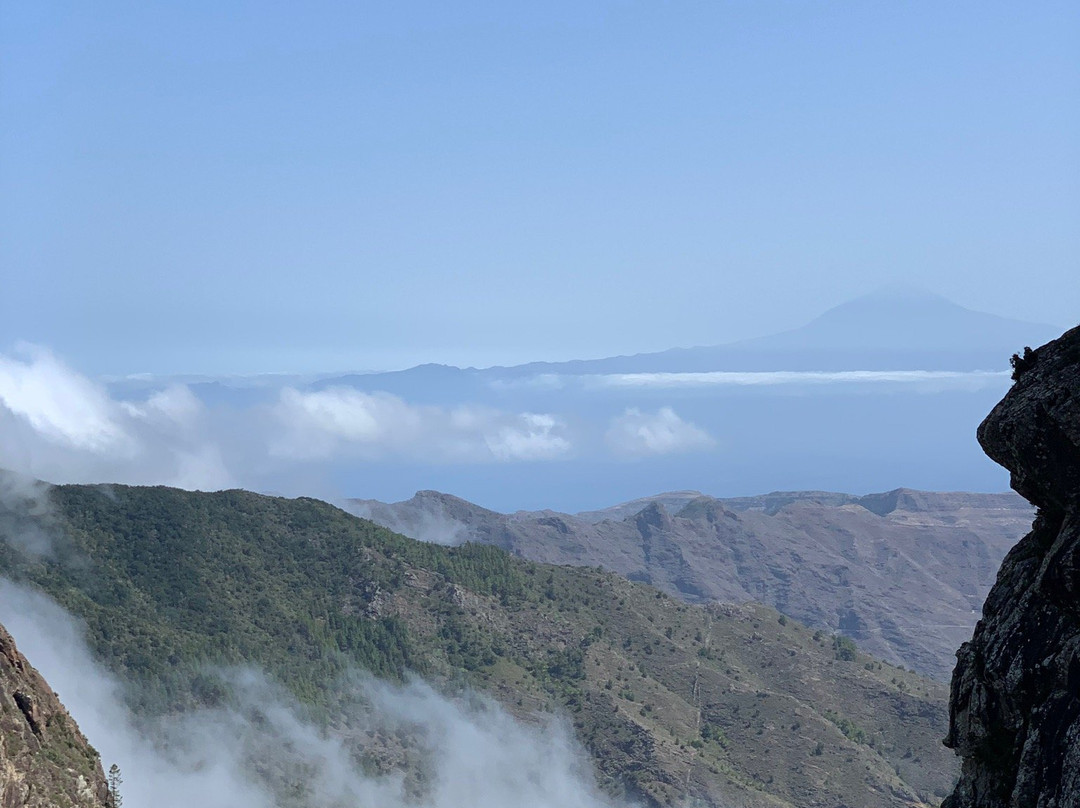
<point>44,760</point>
<point>1015,704</point>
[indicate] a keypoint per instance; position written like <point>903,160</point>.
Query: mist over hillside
<point>263,749</point>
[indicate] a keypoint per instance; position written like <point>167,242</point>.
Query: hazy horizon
<point>881,392</point>
<point>240,189</point>
<point>195,196</point>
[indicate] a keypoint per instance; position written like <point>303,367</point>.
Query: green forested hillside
<point>723,704</point>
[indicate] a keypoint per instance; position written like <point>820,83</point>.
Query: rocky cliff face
<point>1015,706</point>
<point>45,762</point>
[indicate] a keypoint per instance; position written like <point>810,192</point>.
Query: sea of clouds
<point>60,425</point>
<point>510,442</point>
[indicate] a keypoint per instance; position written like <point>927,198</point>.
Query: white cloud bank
<point>343,421</point>
<point>472,753</point>
<point>60,405</point>
<point>59,425</point>
<point>283,436</point>
<point>637,434</point>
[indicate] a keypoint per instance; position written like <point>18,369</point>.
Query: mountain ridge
<point>901,572</point>
<point>725,704</point>
<point>883,330</point>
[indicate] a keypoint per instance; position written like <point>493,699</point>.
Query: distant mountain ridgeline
<point>904,573</point>
<point>889,330</point>
<point>883,331</point>
<point>879,389</point>
<point>728,705</point>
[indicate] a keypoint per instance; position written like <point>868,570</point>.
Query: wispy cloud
<point>344,421</point>
<point>636,433</point>
<point>531,436</point>
<point>175,405</point>
<point>58,424</point>
<point>59,404</point>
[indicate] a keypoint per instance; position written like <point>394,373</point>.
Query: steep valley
<point>725,705</point>
<point>903,573</point>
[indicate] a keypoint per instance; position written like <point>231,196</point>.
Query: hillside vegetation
<point>726,705</point>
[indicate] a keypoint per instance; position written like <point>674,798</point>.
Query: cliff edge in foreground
<point>45,761</point>
<point>1015,704</point>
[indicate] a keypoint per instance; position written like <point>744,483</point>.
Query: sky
<point>236,187</point>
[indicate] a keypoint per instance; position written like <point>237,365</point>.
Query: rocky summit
<point>1015,703</point>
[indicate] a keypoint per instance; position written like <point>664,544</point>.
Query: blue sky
<point>245,187</point>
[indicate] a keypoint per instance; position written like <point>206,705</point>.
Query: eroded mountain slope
<point>904,573</point>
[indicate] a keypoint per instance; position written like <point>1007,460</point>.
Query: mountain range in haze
<point>894,328</point>
<point>891,329</point>
<point>880,392</point>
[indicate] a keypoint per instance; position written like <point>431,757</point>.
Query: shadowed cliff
<point>1015,711</point>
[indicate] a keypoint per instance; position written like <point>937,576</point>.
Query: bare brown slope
<point>904,573</point>
<point>44,760</point>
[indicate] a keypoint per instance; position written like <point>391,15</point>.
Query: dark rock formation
<point>1015,706</point>
<point>44,760</point>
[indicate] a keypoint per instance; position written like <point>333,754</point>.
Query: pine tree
<point>115,781</point>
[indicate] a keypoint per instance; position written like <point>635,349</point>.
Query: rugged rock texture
<point>903,573</point>
<point>45,762</point>
<point>1015,707</point>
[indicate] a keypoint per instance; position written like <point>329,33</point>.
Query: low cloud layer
<point>59,425</point>
<point>471,753</point>
<point>639,434</point>
<point>344,421</point>
<point>930,381</point>
<point>565,442</point>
